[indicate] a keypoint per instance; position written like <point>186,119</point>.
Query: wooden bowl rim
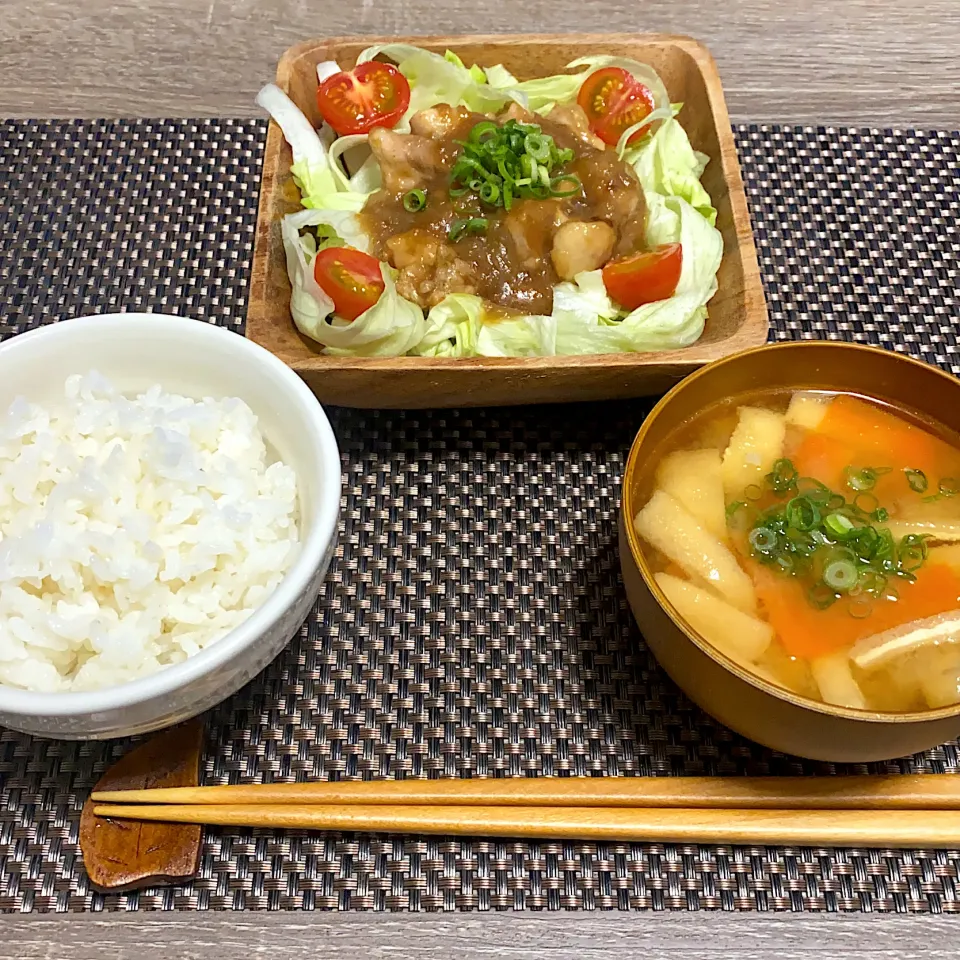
<point>637,552</point>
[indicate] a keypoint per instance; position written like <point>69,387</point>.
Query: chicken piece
<point>428,268</point>
<point>571,116</point>
<point>579,246</point>
<point>442,121</point>
<point>518,113</point>
<point>633,231</point>
<point>613,193</point>
<point>405,161</point>
<point>414,246</point>
<point>531,225</point>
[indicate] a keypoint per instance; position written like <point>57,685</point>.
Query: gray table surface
<point>861,62</point>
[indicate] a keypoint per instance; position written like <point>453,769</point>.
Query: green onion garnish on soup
<point>831,541</point>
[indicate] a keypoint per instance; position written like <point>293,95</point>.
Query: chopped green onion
<point>802,514</point>
<point>518,159</point>
<point>734,507</point>
<point>813,490</point>
<point>840,574</point>
<point>485,130</point>
<point>783,477</point>
<point>885,544</point>
<point>414,201</point>
<point>839,525</point>
<point>817,534</point>
<point>949,487</point>
<point>912,552</point>
<point>821,596</point>
<point>859,480</point>
<point>537,146</point>
<point>917,480</point>
<point>763,539</point>
<point>460,227</point>
<point>489,193</point>
<point>570,178</point>
<point>860,608</point>
<point>872,582</point>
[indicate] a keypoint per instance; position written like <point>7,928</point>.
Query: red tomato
<point>373,95</point>
<point>613,100</point>
<point>351,278</point>
<point>644,277</point>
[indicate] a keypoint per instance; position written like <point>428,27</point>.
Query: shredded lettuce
<point>585,299</point>
<point>367,178</point>
<point>518,337</point>
<point>544,93</point>
<point>452,327</point>
<point>476,72</point>
<point>668,165</point>
<point>437,79</point>
<point>322,185</point>
<point>390,328</point>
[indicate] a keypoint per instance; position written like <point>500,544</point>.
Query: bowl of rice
<point>169,496</point>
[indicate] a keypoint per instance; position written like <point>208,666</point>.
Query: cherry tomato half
<point>373,95</point>
<point>644,277</point>
<point>351,278</point>
<point>613,100</point>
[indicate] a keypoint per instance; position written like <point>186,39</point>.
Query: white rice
<point>133,532</point>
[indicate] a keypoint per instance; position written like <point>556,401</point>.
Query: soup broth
<point>814,538</point>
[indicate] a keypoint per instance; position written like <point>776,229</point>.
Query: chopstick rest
<point>120,855</point>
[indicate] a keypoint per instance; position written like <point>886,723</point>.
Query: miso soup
<point>814,538</point>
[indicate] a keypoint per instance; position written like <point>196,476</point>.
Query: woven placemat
<point>473,621</point>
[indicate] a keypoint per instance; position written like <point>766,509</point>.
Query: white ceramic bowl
<point>135,350</point>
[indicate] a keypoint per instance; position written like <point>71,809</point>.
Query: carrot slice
<point>823,458</point>
<point>806,631</point>
<point>885,439</point>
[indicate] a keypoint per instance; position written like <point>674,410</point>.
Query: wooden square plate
<point>737,313</point>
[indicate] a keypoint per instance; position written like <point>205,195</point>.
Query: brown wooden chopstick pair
<point>894,811</point>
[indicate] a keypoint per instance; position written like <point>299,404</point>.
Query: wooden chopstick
<point>857,828</point>
<point>897,792</point>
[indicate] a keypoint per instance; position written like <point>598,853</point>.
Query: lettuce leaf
<point>458,327</point>
<point>312,169</point>
<point>544,93</point>
<point>309,304</point>
<point>669,166</point>
<point>452,327</point>
<point>585,299</point>
<point>390,328</point>
<point>437,79</point>
<point>529,336</point>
